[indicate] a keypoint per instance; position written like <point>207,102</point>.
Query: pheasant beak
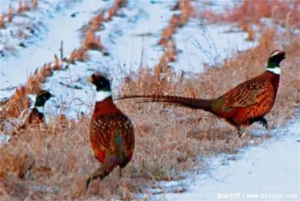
<point>90,79</point>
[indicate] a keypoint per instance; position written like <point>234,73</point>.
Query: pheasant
<point>241,106</point>
<point>111,131</point>
<point>36,115</point>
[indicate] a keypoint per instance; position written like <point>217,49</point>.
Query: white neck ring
<point>40,109</point>
<point>102,95</point>
<point>275,70</point>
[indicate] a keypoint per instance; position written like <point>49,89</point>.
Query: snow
<point>131,39</point>
<point>4,4</point>
<point>37,54</point>
<point>122,37</point>
<point>4,138</point>
<point>201,43</point>
<point>269,171</point>
<point>134,44</point>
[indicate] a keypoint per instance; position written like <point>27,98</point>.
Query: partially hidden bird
<point>241,106</point>
<point>111,132</point>
<point>36,115</point>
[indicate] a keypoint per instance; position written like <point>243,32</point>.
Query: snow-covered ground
<point>131,39</point>
<point>60,25</point>
<point>270,171</point>
<point>211,45</point>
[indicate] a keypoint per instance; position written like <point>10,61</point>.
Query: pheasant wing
<point>109,126</point>
<point>245,94</point>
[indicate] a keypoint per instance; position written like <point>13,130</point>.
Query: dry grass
<point>10,14</point>
<point>278,10</point>
<point>63,158</point>
<point>53,163</point>
<point>112,11</point>
<point>2,21</point>
<point>249,11</point>
<point>92,42</point>
<point>24,29</point>
<point>34,4</point>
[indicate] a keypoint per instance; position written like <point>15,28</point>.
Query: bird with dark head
<point>111,132</point>
<point>36,115</point>
<point>241,106</point>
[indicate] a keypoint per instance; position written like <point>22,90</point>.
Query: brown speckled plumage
<point>111,133</point>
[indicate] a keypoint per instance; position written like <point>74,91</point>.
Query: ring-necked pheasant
<point>243,105</point>
<point>36,115</point>
<point>111,131</point>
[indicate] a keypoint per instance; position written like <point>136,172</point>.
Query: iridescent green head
<point>274,60</point>
<point>42,97</point>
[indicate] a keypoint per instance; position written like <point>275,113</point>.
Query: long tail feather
<point>109,164</point>
<point>194,103</point>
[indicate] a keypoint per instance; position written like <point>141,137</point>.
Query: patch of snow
<point>4,138</point>
<point>132,38</point>
<point>270,171</point>
<point>27,28</point>
<point>219,6</point>
<point>76,99</point>
<point>62,26</point>
<point>4,4</point>
<point>200,44</point>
